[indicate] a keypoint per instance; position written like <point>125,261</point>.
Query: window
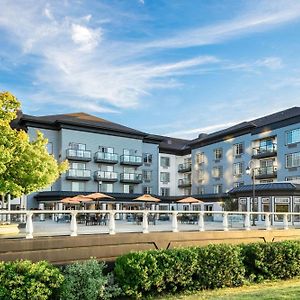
<point>200,190</point>
<point>218,153</point>
<point>164,177</point>
<point>238,184</point>
<point>165,191</point>
<point>77,186</point>
<point>293,178</point>
<point>129,152</point>
<point>165,162</point>
<point>106,187</point>
<point>200,158</point>
<point>238,149</point>
<point>238,169</point>
<point>77,146</point>
<point>293,160</point>
<point>218,189</point>
<point>106,149</point>
<point>147,189</point>
<point>128,189</point>
<point>293,136</point>
<point>49,148</point>
<point>217,172</point>
<point>147,158</point>
<point>187,191</point>
<point>106,168</point>
<point>200,174</point>
<point>77,165</point>
<point>147,175</point>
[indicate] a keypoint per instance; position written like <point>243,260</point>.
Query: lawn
<point>289,289</point>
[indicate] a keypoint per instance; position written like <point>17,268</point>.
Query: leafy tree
<point>25,165</point>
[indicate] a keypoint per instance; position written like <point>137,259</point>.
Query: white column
<point>267,222</point>
<point>247,221</point>
<point>285,222</point>
<point>145,222</point>
<point>104,206</point>
<point>118,217</point>
<point>112,223</point>
<point>8,206</point>
<point>174,222</point>
<point>73,224</point>
<point>225,221</point>
<point>60,207</point>
<point>42,207</point>
<point>201,221</point>
<point>53,215</point>
<point>29,226</point>
<point>23,207</point>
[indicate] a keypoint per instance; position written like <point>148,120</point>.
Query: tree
<point>25,165</point>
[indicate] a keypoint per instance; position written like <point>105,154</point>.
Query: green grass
<point>289,289</point>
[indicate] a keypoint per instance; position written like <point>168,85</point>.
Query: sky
<point>170,67</point>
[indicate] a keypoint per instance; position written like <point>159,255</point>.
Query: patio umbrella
<point>97,196</point>
<point>147,198</point>
<point>82,199</point>
<point>69,200</point>
<point>189,200</point>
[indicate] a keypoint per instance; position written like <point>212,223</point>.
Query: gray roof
<point>274,186</point>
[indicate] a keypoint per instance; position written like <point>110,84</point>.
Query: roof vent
<point>202,135</point>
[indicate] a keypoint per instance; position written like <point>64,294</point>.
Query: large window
<point>200,158</point>
<point>77,186</point>
<point>147,157</point>
<point>77,165</point>
<point>238,184</point>
<point>293,160</point>
<point>238,169</point>
<point>106,149</point>
<point>200,190</point>
<point>165,162</point>
<point>147,175</point>
<point>238,149</point>
<point>200,174</point>
<point>293,136</point>
<point>164,177</point>
<point>218,153</point>
<point>217,172</point>
<point>77,146</point>
<point>218,189</point>
<point>147,189</point>
<point>128,189</point>
<point>106,187</point>
<point>165,191</point>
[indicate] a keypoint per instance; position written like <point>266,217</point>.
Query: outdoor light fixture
<point>250,170</point>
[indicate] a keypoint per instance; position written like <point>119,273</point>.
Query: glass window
<point>165,191</point>
<point>106,187</point>
<point>217,172</point>
<point>238,149</point>
<point>200,158</point>
<point>293,160</point>
<point>147,158</point>
<point>218,189</point>
<point>238,184</point>
<point>147,189</point>
<point>106,149</point>
<point>147,175</point>
<point>128,189</point>
<point>165,162</point>
<point>293,178</point>
<point>77,165</point>
<point>238,169</point>
<point>77,186</point>
<point>218,153</point>
<point>200,190</point>
<point>293,136</point>
<point>164,177</point>
<point>77,146</point>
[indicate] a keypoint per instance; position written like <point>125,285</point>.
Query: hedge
<point>145,273</point>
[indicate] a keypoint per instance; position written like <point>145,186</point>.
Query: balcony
<point>266,172</point>
<point>131,178</point>
<point>264,151</point>
<point>105,157</point>
<point>183,168</point>
<point>185,182</point>
<point>131,160</point>
<point>105,176</point>
<point>78,174</point>
<point>82,155</point>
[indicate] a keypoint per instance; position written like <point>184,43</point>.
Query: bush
<point>150,272</point>
<point>23,280</point>
<point>86,281</point>
<point>279,260</point>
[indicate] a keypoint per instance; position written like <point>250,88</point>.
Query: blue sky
<point>169,67</point>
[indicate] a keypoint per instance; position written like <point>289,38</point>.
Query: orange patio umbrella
<point>189,200</point>
<point>97,196</point>
<point>147,198</point>
<point>69,200</point>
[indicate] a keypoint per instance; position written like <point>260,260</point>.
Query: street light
<point>250,170</point>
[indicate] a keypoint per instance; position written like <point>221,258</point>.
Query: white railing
<point>197,218</point>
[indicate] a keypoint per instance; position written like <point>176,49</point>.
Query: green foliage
<point>272,260</point>
<point>23,280</point>
<point>86,281</point>
<point>151,272</point>
<point>25,166</point>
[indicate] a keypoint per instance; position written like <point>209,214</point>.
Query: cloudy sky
<point>169,67</point>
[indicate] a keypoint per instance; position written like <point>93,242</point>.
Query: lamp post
<point>250,170</point>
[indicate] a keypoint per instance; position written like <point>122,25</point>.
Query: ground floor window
<point>242,204</point>
<point>106,187</point>
<point>254,208</point>
<point>77,186</point>
<point>265,206</point>
<point>165,191</point>
<point>282,205</point>
<point>128,189</point>
<point>296,209</point>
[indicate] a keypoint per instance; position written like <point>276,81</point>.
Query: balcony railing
<point>185,182</point>
<point>266,172</point>
<point>109,158</point>
<point>78,174</point>
<point>82,155</point>
<point>131,178</point>
<point>265,151</point>
<point>105,176</point>
<point>131,160</point>
<point>186,167</point>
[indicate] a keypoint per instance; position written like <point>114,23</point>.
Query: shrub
<point>150,272</point>
<point>279,260</point>
<point>86,281</point>
<point>23,280</point>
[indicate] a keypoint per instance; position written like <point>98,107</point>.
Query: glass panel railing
<point>270,148</point>
<point>106,175</point>
<point>79,153</point>
<point>265,171</point>
<point>79,173</point>
<point>185,166</point>
<point>131,159</point>
<point>131,176</point>
<point>106,156</point>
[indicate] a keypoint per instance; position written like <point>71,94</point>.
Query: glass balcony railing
<point>75,154</point>
<point>106,157</point>
<point>266,172</point>
<point>185,167</point>
<point>264,151</point>
<point>80,174</point>
<point>131,160</point>
<point>185,182</point>
<point>105,176</point>
<point>131,177</point>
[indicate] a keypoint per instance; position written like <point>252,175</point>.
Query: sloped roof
<point>274,186</point>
